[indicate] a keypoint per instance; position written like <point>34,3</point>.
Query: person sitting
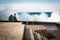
<point>10,18</point>
<point>14,19</point>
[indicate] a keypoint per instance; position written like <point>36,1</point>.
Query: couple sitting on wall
<point>12,18</point>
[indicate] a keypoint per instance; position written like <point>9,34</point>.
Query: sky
<point>29,1</point>
<point>8,7</point>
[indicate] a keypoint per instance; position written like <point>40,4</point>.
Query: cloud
<point>8,9</point>
<point>25,17</point>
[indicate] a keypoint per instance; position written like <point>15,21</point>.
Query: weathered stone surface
<point>37,36</point>
<point>41,29</point>
<point>37,27</point>
<point>11,31</point>
<point>28,34</point>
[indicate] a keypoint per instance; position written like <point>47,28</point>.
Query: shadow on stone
<point>50,36</point>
